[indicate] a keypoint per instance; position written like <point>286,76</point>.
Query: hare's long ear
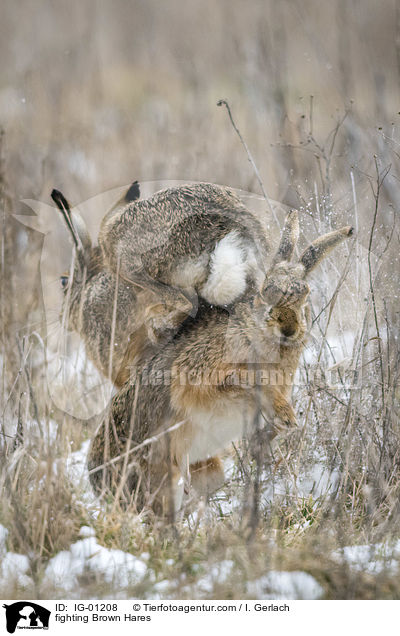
<point>132,194</point>
<point>290,236</point>
<point>65,209</point>
<point>321,246</point>
<point>75,223</point>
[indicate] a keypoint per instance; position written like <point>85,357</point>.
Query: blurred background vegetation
<point>95,93</point>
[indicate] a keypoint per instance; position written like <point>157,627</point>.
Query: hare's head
<point>87,260</point>
<point>285,290</point>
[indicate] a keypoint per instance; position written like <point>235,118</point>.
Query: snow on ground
<point>114,567</point>
<point>373,558</point>
<point>42,434</point>
<point>78,475</point>
<point>272,585</point>
<point>218,573</point>
<point>13,567</point>
<point>316,480</point>
<point>285,585</point>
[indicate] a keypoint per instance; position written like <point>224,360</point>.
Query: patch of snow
<point>75,384</point>
<point>318,480</point>
<point>373,558</point>
<point>3,539</point>
<point>161,590</point>
<point>85,531</point>
<point>13,567</point>
<point>87,556</point>
<point>78,474</point>
<point>13,570</point>
<point>277,585</point>
<point>218,574</point>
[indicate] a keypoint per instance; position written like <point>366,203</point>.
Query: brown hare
<point>101,311</point>
<point>183,241</point>
<point>221,373</point>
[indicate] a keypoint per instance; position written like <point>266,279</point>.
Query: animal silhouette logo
<point>26,615</point>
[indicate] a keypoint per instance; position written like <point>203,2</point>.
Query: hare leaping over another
<point>183,242</point>
<point>221,373</point>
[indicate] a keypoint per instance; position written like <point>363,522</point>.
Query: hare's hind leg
<point>145,481</point>
<point>207,476</point>
<point>109,473</point>
<point>167,491</point>
<point>138,276</point>
<point>170,306</point>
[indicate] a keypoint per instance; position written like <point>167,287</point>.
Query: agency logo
<point>26,615</point>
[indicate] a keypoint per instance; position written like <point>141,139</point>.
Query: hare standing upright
<point>221,373</point>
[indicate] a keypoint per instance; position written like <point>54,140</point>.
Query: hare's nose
<point>288,330</point>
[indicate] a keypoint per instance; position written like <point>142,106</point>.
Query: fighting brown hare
<point>154,257</point>
<point>222,374</point>
<point>185,242</point>
<point>109,317</point>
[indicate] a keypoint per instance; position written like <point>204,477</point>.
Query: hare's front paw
<point>284,418</point>
<point>284,425</point>
<point>162,319</point>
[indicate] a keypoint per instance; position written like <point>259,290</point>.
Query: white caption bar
<point>149,617</point>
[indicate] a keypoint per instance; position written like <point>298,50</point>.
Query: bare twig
<point>223,102</point>
<point>380,177</point>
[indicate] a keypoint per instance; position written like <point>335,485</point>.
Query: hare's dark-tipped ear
<point>74,222</point>
<point>322,246</point>
<point>65,209</point>
<point>133,192</point>
<point>289,238</point>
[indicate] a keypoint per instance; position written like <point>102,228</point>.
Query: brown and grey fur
<point>96,303</point>
<point>105,308</point>
<point>161,247</point>
<point>168,243</point>
<point>181,426</point>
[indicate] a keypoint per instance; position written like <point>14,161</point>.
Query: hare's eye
<point>64,282</point>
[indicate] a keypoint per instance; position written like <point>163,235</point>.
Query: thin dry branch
<point>223,102</point>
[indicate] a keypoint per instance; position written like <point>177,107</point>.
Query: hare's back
<point>199,236</point>
<point>183,220</point>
